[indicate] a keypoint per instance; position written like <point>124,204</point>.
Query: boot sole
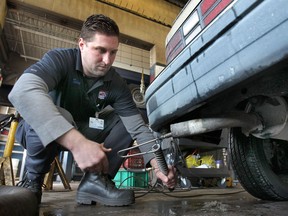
<point>89,199</point>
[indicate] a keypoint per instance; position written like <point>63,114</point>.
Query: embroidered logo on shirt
<point>76,81</point>
<point>102,94</point>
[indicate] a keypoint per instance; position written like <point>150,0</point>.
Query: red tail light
<point>206,4</point>
<point>212,8</point>
<point>198,15</point>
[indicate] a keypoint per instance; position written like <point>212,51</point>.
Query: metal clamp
<point>154,147</point>
<point>153,150</point>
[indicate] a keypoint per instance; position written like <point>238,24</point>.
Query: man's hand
<point>170,180</point>
<point>89,156</point>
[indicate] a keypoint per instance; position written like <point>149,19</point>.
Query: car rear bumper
<point>237,46</point>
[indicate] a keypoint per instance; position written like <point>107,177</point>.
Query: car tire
<point>261,173</point>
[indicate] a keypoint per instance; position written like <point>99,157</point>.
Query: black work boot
<point>99,188</point>
<point>33,185</point>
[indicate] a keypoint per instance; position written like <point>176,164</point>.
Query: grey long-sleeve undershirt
<point>31,99</point>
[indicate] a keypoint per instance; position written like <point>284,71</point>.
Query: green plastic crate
<point>126,179</point>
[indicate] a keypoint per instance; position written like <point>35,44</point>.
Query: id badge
<point>96,123</point>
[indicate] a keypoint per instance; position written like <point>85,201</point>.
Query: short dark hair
<point>98,23</point>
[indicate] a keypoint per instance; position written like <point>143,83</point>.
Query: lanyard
<point>90,85</point>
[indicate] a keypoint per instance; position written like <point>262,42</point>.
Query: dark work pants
<point>39,158</point>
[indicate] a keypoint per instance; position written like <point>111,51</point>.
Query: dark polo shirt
<point>62,71</point>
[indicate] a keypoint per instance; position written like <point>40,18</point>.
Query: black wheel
<point>261,165</point>
<point>17,201</point>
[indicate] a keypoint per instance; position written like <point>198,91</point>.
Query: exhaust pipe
<point>248,122</point>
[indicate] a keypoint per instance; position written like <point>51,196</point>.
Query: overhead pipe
<point>135,13</point>
<point>22,40</point>
<point>45,35</point>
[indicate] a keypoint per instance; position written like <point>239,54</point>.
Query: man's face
<point>98,55</point>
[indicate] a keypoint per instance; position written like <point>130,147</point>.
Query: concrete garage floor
<point>206,202</point>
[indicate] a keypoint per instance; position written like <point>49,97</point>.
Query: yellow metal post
<point>11,137</point>
<point>6,170</point>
